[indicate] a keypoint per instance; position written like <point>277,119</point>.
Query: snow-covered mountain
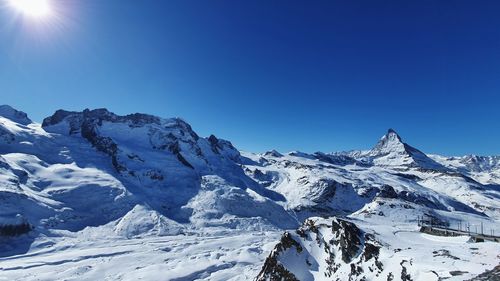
<point>333,184</point>
<point>86,180</point>
<point>484,169</point>
<point>393,152</point>
<point>108,163</point>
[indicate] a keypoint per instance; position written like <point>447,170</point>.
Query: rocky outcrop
<point>273,153</point>
<point>15,229</point>
<point>14,115</point>
<point>224,147</point>
<point>14,226</point>
<point>336,249</point>
<point>387,191</point>
<point>176,150</point>
<point>272,269</point>
<point>490,275</point>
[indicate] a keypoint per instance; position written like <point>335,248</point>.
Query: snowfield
<point>93,195</point>
<point>221,255</point>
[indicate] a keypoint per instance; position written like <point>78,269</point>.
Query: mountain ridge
<point>97,174</point>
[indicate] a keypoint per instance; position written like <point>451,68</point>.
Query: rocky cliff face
<point>332,250</point>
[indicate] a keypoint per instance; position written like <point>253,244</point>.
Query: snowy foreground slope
<point>95,196</point>
<point>335,249</point>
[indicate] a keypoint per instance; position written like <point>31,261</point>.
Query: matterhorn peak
<point>390,142</point>
<point>14,115</point>
<point>392,151</point>
<point>393,135</point>
<point>391,131</point>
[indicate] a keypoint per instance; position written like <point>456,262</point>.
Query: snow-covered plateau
<point>93,195</point>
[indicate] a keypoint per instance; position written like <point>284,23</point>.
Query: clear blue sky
<point>291,75</point>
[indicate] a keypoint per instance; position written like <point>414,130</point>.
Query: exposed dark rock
<point>347,236</point>
<point>405,276</point>
<point>408,176</point>
<point>327,189</point>
<point>15,229</point>
<point>272,269</point>
<point>387,191</point>
<point>372,251</point>
<point>356,249</point>
<point>264,178</point>
<point>444,253</point>
<point>103,144</point>
<point>420,200</point>
<point>489,275</point>
<point>273,153</point>
<point>220,146</point>
<point>214,144</point>
<point>457,272</point>
<point>355,271</point>
<point>176,150</point>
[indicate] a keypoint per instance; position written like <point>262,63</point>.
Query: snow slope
<point>335,249</point>
<point>146,197</point>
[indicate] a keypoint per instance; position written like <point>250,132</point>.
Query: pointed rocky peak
<point>390,142</point>
<point>392,151</point>
<point>391,131</point>
<point>224,147</point>
<point>14,115</point>
<point>273,153</point>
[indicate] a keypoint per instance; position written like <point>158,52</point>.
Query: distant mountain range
<point>140,175</point>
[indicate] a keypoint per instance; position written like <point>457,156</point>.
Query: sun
<point>32,8</point>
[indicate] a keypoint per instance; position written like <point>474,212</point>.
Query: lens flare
<point>32,8</point>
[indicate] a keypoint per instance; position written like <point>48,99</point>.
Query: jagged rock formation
<point>320,249</point>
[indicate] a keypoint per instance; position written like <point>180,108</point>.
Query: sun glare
<point>32,8</point>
